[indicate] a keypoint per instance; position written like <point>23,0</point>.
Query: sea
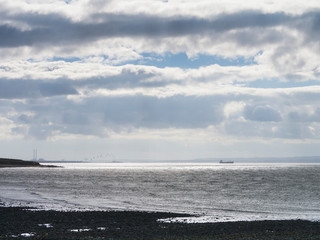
<point>211,192</point>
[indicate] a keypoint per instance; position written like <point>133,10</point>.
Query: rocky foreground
<point>19,223</point>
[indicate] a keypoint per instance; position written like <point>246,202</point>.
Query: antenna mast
<point>35,154</point>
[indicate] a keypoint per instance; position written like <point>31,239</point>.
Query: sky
<point>102,80</point>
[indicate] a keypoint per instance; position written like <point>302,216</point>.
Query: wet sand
<point>19,223</point>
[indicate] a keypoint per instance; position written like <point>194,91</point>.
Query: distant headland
<point>9,162</point>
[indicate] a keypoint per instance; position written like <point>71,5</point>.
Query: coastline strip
<point>15,221</point>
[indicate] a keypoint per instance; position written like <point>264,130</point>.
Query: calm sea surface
<point>214,192</point>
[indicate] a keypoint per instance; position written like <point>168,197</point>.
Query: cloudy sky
<point>159,80</point>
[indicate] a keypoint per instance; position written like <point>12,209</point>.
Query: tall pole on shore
<point>35,154</point>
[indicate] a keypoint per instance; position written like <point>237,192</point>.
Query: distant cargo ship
<point>230,162</point>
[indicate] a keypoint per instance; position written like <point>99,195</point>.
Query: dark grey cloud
<point>91,116</point>
<point>304,117</point>
<point>19,89</point>
<point>262,113</point>
<point>309,24</point>
<point>98,116</point>
<point>56,29</point>
<point>143,111</point>
<point>250,37</point>
<point>127,78</point>
<point>28,89</point>
<point>247,19</point>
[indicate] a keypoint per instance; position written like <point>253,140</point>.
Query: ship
<point>229,162</point>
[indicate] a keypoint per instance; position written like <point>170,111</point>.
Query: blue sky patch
<point>68,59</point>
<point>181,60</point>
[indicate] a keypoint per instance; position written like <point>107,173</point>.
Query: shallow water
<point>215,192</point>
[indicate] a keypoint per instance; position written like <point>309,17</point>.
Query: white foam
<point>27,234</point>
<point>47,225</point>
<point>101,228</point>
<point>80,230</point>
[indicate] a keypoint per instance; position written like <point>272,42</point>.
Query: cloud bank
<point>88,69</point>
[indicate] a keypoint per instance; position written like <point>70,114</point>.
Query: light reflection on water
<point>217,192</point>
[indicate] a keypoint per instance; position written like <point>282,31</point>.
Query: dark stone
<point>143,225</point>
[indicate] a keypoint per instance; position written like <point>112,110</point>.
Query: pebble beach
<point>23,223</point>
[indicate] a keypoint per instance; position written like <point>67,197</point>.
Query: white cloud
<point>233,109</point>
<point>65,73</point>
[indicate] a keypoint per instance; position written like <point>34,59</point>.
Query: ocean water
<point>212,192</point>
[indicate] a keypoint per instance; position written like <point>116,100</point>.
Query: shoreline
<point>18,163</point>
<point>19,222</point>
<point>24,166</point>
